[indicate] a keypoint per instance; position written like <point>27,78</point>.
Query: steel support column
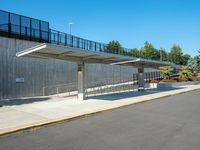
<point>141,79</point>
<point>81,81</point>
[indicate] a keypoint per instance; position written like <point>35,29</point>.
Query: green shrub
<point>185,72</point>
<point>166,71</point>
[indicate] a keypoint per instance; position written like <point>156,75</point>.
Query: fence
<point>122,85</point>
<point>104,86</point>
<point>58,89</point>
<point>22,27</point>
<point>61,38</point>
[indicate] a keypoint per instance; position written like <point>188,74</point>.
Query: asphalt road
<point>171,123</point>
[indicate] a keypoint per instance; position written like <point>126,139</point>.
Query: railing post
<point>65,39</point>
<point>30,30</point>
<point>20,26</point>
<point>49,36</point>
<point>83,44</point>
<point>87,45</point>
<point>9,25</point>
<point>91,46</point>
<point>58,38</point>
<point>95,46</point>
<point>40,31</point>
<point>26,31</point>
<point>77,42</point>
<point>149,76</point>
<point>145,76</point>
<point>72,42</point>
<point>100,47</point>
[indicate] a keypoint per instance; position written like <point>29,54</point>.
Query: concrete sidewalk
<point>16,115</point>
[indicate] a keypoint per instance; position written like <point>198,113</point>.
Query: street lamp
<point>70,27</point>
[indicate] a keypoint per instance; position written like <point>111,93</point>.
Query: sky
<point>132,22</point>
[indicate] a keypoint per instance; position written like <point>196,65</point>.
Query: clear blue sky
<point>132,22</point>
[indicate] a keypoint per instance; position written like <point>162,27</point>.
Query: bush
<point>166,71</point>
<point>185,72</point>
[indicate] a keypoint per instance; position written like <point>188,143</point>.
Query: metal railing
<point>59,89</point>
<point>104,86</point>
<point>122,85</point>
<point>65,39</point>
<point>22,27</point>
<point>25,33</point>
<point>111,88</point>
<point>61,38</point>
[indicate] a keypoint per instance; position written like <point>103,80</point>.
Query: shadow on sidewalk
<point>118,96</point>
<point>21,101</point>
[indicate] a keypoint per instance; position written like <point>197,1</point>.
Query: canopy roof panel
<point>77,55</point>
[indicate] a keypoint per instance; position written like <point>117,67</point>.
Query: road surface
<point>171,123</point>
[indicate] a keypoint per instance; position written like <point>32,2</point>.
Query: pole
<point>70,28</point>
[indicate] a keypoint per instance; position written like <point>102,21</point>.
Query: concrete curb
<point>127,102</point>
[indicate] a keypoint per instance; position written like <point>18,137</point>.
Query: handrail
<point>55,37</point>
<point>106,85</point>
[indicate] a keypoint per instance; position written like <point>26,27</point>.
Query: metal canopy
<point>77,55</point>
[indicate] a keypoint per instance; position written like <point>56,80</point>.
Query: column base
<point>81,97</point>
<point>81,82</point>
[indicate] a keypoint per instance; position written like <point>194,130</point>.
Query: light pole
<point>70,27</point>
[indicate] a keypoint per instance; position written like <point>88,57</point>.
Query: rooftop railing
<point>22,27</point>
<point>61,38</point>
<point>26,28</point>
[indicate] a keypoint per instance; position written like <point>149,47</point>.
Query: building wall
<point>40,73</point>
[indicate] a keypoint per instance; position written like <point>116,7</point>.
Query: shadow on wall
<point>21,101</point>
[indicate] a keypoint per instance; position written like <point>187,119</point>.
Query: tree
<point>135,52</point>
<point>166,71</point>
<point>199,52</point>
<point>184,59</point>
<point>163,54</point>
<point>193,65</point>
<point>175,54</point>
<point>148,51</point>
<point>114,47</point>
<point>185,72</point>
<point>198,61</point>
